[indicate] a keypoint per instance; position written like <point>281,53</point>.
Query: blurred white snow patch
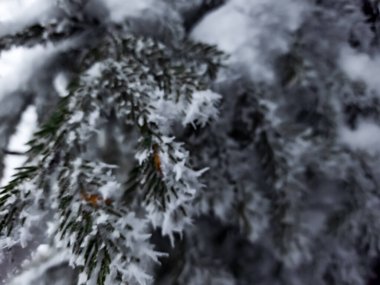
<point>60,84</point>
<point>16,14</point>
<point>120,9</point>
<point>42,260</point>
<point>252,32</point>
<point>18,64</point>
<point>111,190</point>
<point>82,278</point>
<point>365,137</point>
<point>227,27</point>
<point>360,66</point>
<point>18,142</point>
<point>43,250</point>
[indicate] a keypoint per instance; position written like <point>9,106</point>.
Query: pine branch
<point>131,78</point>
<point>41,34</point>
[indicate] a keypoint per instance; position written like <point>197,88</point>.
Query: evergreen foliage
<point>170,161</point>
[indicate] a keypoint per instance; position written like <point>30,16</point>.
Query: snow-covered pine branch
<point>134,82</point>
<point>136,180</point>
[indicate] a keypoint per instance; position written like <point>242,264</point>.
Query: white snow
<point>120,9</point>
<point>252,31</point>
<point>202,108</point>
<point>229,34</point>
<point>60,84</point>
<point>366,137</point>
<point>17,142</point>
<point>95,71</point>
<point>360,66</point>
<point>110,190</point>
<point>43,250</point>
<point>35,269</point>
<point>141,156</point>
<point>16,14</point>
<point>178,169</point>
<point>82,278</point>
<point>77,117</point>
<point>18,64</point>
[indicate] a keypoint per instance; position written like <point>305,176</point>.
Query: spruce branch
<point>41,34</point>
<point>132,80</point>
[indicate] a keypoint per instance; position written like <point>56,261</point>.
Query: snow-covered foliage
<point>160,158</point>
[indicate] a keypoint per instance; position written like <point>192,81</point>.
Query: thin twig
<point>10,152</point>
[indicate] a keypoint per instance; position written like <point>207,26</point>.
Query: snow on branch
<point>102,221</point>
